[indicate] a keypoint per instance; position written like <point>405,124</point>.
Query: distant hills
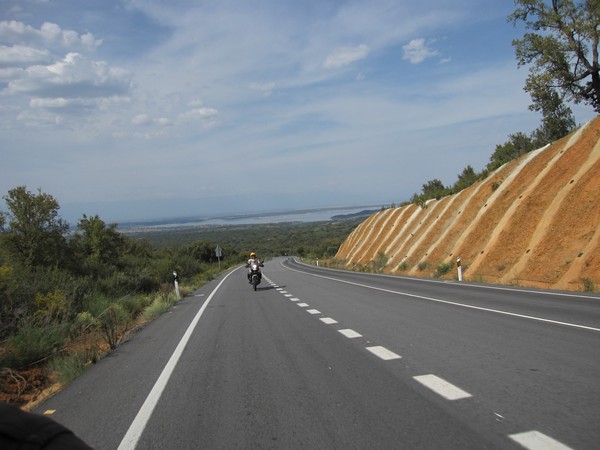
<point>363,213</point>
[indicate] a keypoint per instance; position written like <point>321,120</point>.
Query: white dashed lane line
<point>531,440</point>
<point>442,387</point>
<point>351,334</point>
<point>383,353</point>
<point>534,440</point>
<point>328,320</point>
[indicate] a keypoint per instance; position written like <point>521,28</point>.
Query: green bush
<point>442,269</point>
<point>32,344</point>
<point>83,322</point>
<point>423,265</point>
<point>96,304</point>
<point>113,322</point>
<point>158,307</point>
<point>588,285</point>
<point>135,304</point>
<point>381,261</point>
<point>69,367</point>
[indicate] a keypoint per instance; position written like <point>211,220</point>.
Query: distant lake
<point>304,215</point>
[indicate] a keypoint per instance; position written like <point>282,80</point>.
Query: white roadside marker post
<point>458,265</point>
<point>176,282</point>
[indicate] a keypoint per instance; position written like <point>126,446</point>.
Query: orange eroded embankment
<point>533,222</point>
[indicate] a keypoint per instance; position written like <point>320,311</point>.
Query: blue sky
<point>139,109</point>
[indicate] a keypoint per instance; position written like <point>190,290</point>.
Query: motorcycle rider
<point>254,260</point>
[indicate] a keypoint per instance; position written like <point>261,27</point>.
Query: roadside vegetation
<point>68,296</point>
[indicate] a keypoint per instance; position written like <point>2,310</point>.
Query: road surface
<point>320,358</point>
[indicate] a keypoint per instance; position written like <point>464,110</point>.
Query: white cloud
<point>265,88</point>
<point>23,56</point>
<point>345,56</point>
<point>50,35</point>
<point>146,120</point>
<point>10,73</point>
<point>141,119</point>
<point>417,51</point>
<point>199,114</point>
<point>56,102</point>
<point>73,77</point>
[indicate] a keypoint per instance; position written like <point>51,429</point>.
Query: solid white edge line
<point>138,425</point>
<point>383,353</point>
<point>534,440</point>
<point>452,283</point>
<point>447,302</point>
<point>442,387</point>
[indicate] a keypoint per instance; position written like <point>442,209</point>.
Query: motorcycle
<point>255,275</point>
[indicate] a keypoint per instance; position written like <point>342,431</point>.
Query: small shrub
<point>32,344</point>
<point>380,263</point>
<point>423,265</point>
<point>83,323</point>
<point>51,307</point>
<point>442,269</point>
<point>135,305</point>
<point>157,308</point>
<point>403,266</point>
<point>113,322</point>
<point>69,367</point>
<point>96,304</point>
<point>588,285</point>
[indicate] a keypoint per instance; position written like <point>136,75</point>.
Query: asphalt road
<point>319,358</point>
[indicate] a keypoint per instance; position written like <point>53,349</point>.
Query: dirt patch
<point>26,388</point>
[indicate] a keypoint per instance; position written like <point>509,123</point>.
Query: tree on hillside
<point>35,234</point>
<point>517,145</point>
<point>434,189</point>
<point>203,251</point>
<point>99,247</point>
<point>99,241</point>
<point>557,118</point>
<point>561,46</point>
<point>465,179</point>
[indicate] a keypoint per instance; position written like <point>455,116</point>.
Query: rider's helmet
<point>252,255</point>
